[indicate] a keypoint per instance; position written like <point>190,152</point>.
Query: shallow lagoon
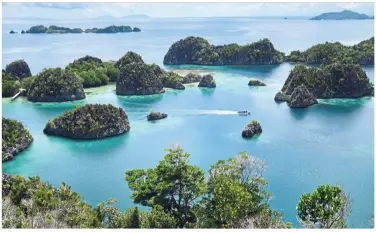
<point>331,142</point>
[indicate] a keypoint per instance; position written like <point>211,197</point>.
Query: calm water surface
<point>329,143</point>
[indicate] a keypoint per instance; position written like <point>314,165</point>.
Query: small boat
<point>244,113</point>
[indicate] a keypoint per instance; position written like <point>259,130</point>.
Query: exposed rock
<point>330,81</point>
<point>198,51</point>
<point>172,80</point>
<point>192,78</point>
<point>255,82</point>
<point>15,138</point>
<point>55,85</point>
<point>252,129</point>
<point>152,116</point>
<point>129,57</point>
<point>207,81</point>
<point>91,121</point>
<point>280,96</point>
<point>138,79</point>
<point>301,98</point>
<point>18,69</point>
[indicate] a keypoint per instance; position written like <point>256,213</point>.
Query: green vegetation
<point>361,53</point>
<point>18,69</point>
<point>15,138</point>
<point>326,207</point>
<point>198,51</point>
<point>330,81</point>
<point>110,29</point>
<point>91,121</point>
<point>253,122</point>
<point>172,80</point>
<point>343,15</point>
<point>233,195</point>
<point>57,29</point>
<point>37,29</point>
<point>10,86</point>
<point>129,57</point>
<point>55,85</point>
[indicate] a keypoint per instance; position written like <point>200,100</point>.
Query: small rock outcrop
<point>281,97</point>
<point>15,138</point>
<point>55,85</point>
<point>172,80</point>
<point>207,81</point>
<point>152,116</point>
<point>91,121</point>
<point>255,82</point>
<point>301,98</point>
<point>12,32</point>
<point>251,129</point>
<point>138,79</point>
<point>136,29</point>
<point>18,69</point>
<point>191,78</point>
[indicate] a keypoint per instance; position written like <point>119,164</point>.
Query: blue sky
<point>89,10</point>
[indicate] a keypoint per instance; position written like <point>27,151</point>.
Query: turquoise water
<point>329,143</point>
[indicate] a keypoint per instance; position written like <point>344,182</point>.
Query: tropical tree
<point>326,207</point>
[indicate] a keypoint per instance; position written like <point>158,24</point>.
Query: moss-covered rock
<point>207,81</point>
<point>138,79</point>
<point>129,57</point>
<point>172,80</point>
<point>326,53</point>
<point>192,78</point>
<point>330,81</point>
<point>251,129</point>
<point>301,98</point>
<point>18,69</point>
<point>255,82</point>
<point>198,51</point>
<point>55,85</point>
<point>152,116</point>
<point>91,121</point>
<point>15,138</point>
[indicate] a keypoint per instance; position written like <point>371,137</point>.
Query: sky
<point>157,10</point>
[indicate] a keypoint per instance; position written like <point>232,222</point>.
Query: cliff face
<point>18,69</point>
<point>330,81</point>
<point>301,98</point>
<point>198,51</point>
<point>15,138</point>
<point>55,85</point>
<point>92,121</point>
<point>138,79</point>
<point>207,81</point>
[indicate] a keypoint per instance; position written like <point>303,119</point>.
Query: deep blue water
<point>329,143</point>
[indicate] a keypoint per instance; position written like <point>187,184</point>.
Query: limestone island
<point>343,15</point>
<point>18,69</point>
<point>255,82</point>
<point>15,138</point>
<point>207,81</point>
<point>198,51</point>
<point>172,80</point>
<point>301,98</point>
<point>139,79</point>
<point>91,121</point>
<point>12,32</point>
<point>38,29</point>
<point>192,78</point>
<point>129,57</point>
<point>251,129</point>
<point>325,82</point>
<point>326,53</point>
<point>152,116</point>
<point>55,85</point>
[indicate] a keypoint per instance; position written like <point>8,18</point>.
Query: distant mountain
<point>343,15</point>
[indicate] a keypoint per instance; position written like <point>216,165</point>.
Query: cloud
<point>58,5</point>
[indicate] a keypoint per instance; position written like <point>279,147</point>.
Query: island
<point>192,78</point>
<point>55,85</point>
<point>139,79</point>
<point>198,51</point>
<point>253,128</point>
<point>343,15</point>
<point>15,138</point>
<point>91,121</point>
<point>12,32</point>
<point>207,81</point>
<point>152,116</point>
<point>18,69</point>
<point>255,82</point>
<point>172,80</point>
<point>38,29</point>
<point>326,53</point>
<point>129,57</point>
<point>324,82</point>
<point>301,98</point>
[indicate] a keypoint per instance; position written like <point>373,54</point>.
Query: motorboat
<point>244,113</point>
